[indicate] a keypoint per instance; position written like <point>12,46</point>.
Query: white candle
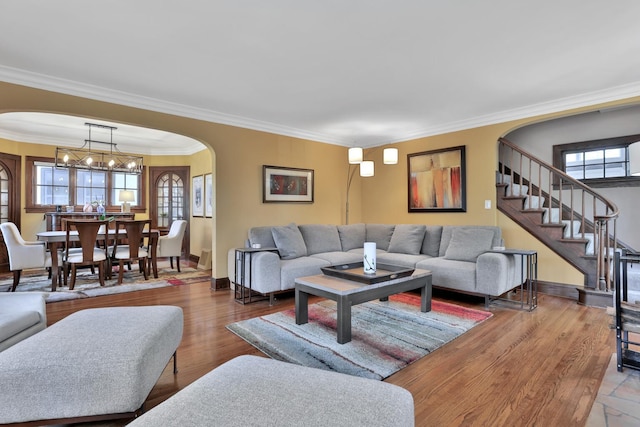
<point>369,258</point>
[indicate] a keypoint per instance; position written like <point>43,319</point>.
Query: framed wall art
<point>437,180</point>
<point>197,196</point>
<point>287,185</point>
<point>208,195</point>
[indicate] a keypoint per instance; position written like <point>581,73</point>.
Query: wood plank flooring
<point>517,369</point>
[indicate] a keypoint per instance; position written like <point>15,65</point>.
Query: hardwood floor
<point>517,368</point>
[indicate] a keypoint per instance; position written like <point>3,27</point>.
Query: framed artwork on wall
<point>437,180</point>
<point>197,196</point>
<point>287,185</point>
<point>208,195</point>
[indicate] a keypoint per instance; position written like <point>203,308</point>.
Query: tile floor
<point>618,401</point>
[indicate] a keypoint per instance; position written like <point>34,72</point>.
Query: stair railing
<point>550,189</point>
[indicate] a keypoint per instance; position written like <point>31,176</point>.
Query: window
<point>75,187</point>
<point>125,181</point>
<point>52,185</point>
<point>593,164</point>
<point>91,186</point>
<point>599,163</point>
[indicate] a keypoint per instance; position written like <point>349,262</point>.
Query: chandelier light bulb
<point>111,163</point>
<point>66,158</point>
<point>89,160</point>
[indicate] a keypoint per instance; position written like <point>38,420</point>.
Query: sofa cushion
<point>352,236</point>
<point>262,236</point>
<point>407,239</point>
<point>450,274</point>
<point>380,234</point>
<point>431,242</point>
<point>335,258</point>
<point>400,260</point>
<point>13,323</point>
<point>320,238</point>
<point>467,244</point>
<point>299,267</point>
<point>289,241</point>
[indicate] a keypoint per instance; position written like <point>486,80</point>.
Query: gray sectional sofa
<point>22,314</point>
<point>457,256</point>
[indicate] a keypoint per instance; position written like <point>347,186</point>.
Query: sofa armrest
<point>265,270</point>
<point>265,274</point>
<point>497,273</point>
<point>14,302</point>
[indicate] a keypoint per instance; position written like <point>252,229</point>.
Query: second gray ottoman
<point>94,362</point>
<point>255,391</point>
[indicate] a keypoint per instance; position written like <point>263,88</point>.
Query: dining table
<point>55,240</point>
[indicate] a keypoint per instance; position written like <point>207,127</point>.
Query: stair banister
<point>602,222</point>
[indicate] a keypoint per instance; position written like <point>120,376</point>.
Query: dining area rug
<point>87,284</point>
<point>386,335</point>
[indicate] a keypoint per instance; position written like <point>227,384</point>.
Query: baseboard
<point>558,290</point>
<point>220,284</point>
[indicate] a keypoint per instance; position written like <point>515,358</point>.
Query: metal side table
<point>242,279</point>
<point>528,278</point>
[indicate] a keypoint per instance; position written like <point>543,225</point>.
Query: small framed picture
<point>197,196</point>
<point>287,185</point>
<point>208,195</point>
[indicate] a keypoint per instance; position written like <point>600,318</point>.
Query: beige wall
<point>237,156</point>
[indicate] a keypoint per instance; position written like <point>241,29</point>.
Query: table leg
<point>154,257</point>
<point>344,320</point>
<point>302,307</point>
<point>53,247</point>
<point>425,296</point>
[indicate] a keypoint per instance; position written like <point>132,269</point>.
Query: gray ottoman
<point>255,391</point>
<point>99,363</point>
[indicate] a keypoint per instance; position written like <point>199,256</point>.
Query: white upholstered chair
<point>171,244</point>
<point>23,255</point>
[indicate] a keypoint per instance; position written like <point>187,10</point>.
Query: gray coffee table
<point>348,293</point>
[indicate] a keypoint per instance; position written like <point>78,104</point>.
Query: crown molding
<point>562,104</point>
<point>69,87</point>
<point>45,82</point>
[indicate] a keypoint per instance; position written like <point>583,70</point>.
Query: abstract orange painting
<point>437,181</point>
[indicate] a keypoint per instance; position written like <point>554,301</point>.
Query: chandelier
<point>108,159</point>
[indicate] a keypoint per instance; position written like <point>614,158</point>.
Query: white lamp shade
<point>390,156</point>
<point>355,155</point>
<point>126,196</point>
<point>634,159</point>
<point>366,168</point>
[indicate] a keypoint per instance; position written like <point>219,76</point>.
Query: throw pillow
<point>380,234</point>
<point>407,239</point>
<point>351,236</point>
<point>320,238</point>
<point>468,244</point>
<point>289,241</point>
<point>261,235</point>
<point>431,244</point>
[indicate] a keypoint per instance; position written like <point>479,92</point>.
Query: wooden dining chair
<point>128,246</point>
<point>90,255</point>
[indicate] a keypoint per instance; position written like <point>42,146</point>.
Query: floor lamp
<point>367,168</point>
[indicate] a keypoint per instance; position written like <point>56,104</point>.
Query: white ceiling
<point>348,72</point>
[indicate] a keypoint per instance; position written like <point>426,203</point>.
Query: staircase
<point>567,216</point>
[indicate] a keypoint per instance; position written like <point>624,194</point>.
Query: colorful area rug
<point>87,284</point>
<point>386,336</point>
